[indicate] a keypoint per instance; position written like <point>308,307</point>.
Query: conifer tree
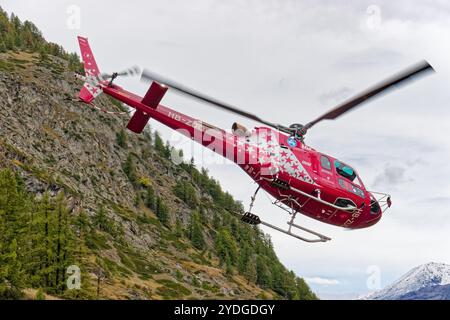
<point>37,257</point>
<point>102,222</point>
<point>13,208</point>
<point>178,228</point>
<point>303,291</point>
<point>2,46</point>
<point>262,273</point>
<point>162,212</point>
<point>167,153</point>
<point>244,257</point>
<point>64,242</point>
<point>159,144</point>
<point>121,138</point>
<point>186,192</point>
<point>150,200</point>
<point>250,270</point>
<point>226,247</point>
<point>195,231</point>
<point>130,169</point>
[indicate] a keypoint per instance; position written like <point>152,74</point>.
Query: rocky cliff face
<point>56,144</point>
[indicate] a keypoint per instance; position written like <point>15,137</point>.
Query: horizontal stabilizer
<point>154,95</point>
<point>138,122</point>
<point>151,99</point>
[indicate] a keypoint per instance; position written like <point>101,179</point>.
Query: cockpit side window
<point>325,162</point>
<point>345,170</point>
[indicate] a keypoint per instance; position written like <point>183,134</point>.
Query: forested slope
<point>77,192</point>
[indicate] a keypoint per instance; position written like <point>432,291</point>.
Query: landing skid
<point>253,219</point>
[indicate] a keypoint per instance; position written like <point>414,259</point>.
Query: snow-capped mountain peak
<point>424,276</point>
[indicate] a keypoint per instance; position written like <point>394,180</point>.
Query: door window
<point>325,162</point>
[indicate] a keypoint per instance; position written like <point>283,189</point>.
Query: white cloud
<point>289,61</point>
<point>392,175</point>
<point>322,281</point>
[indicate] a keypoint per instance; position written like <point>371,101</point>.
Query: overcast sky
<point>290,61</point>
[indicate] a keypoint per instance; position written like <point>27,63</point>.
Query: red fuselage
<point>296,175</point>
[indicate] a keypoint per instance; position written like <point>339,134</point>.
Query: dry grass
<point>30,294</point>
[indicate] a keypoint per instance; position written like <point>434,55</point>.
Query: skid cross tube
<point>320,237</point>
<point>253,219</point>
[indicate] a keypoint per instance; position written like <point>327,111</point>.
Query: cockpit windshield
<point>345,171</point>
<point>351,181</point>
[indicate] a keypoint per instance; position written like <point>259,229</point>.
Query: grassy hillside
<point>77,192</point>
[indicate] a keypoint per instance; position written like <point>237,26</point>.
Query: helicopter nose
<point>375,220</point>
<point>372,216</point>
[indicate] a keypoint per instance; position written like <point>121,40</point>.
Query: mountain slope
<point>429,293</point>
<point>80,191</point>
<point>428,281</point>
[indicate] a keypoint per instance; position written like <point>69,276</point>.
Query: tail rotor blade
<point>133,71</point>
<point>105,76</point>
<point>130,72</point>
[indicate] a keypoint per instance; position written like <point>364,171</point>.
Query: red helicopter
<point>299,178</point>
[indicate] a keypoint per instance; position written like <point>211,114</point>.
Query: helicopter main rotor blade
<point>151,76</point>
<point>403,77</point>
